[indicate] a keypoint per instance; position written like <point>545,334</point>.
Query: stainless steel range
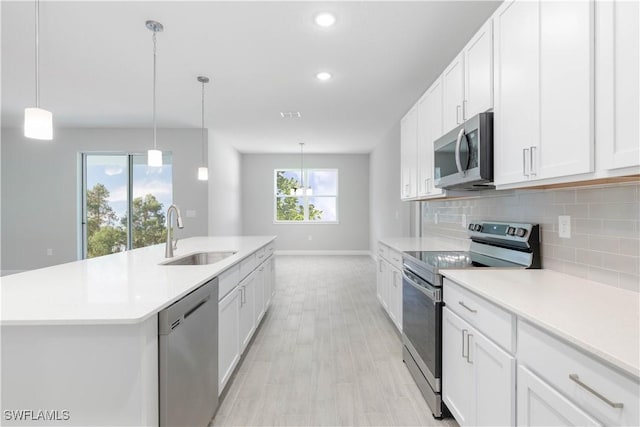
<point>493,244</point>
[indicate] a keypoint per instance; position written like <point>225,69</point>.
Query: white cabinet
<point>228,336</point>
<point>478,73</point>
<point>544,91</point>
<point>478,376</point>
<point>269,281</point>
<point>395,297</point>
<point>453,94</point>
<point>382,288</point>
<point>259,286</point>
<point>247,310</point>
<point>389,283</point>
<point>541,405</point>
<point>617,84</point>
<point>408,153</point>
<point>429,129</point>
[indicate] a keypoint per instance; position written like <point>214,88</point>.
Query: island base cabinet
<point>228,337</point>
<point>85,375</point>
<point>541,405</point>
<point>247,310</point>
<point>478,376</point>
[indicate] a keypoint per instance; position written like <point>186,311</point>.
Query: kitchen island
<point>80,340</point>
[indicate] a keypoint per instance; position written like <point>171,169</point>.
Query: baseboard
<point>329,252</point>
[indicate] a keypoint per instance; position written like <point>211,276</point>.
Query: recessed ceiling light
<point>290,114</point>
<point>323,75</point>
<point>325,19</point>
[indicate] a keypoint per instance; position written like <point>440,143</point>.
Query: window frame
<point>305,198</point>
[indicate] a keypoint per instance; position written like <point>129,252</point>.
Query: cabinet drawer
<point>383,251</point>
<point>247,265</point>
<point>228,280</point>
<point>557,362</point>
<point>395,258</point>
<point>493,321</point>
<point>261,255</point>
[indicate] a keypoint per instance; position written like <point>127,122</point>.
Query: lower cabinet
<point>389,286</point>
<point>539,404</point>
<point>228,336</point>
<point>247,309</point>
<point>478,376</point>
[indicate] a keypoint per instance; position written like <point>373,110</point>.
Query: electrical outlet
<point>463,223</point>
<point>191,213</point>
<point>397,215</point>
<point>435,218</point>
<point>564,226</point>
<point>49,252</point>
<point>310,237</point>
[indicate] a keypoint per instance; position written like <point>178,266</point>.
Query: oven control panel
<point>492,231</point>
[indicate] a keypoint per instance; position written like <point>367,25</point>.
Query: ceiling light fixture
<point>203,171</point>
<point>325,19</point>
<point>38,122</point>
<point>323,76</point>
<point>154,156</point>
<point>302,190</point>
<point>290,114</point>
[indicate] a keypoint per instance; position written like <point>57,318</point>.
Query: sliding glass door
<point>123,202</point>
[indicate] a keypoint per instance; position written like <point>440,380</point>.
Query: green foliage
<point>107,235</point>
<point>291,208</point>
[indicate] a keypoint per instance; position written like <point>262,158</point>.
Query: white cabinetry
<point>247,309</point>
<point>617,84</point>
<point>478,73</point>
<point>228,336</point>
<point>544,90</point>
<point>429,128</point>
<point>453,94</point>
<point>408,153</point>
<point>478,376</point>
<point>389,283</point>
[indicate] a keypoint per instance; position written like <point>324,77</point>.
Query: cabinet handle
<point>458,108</point>
<point>531,163</point>
<point>464,110</point>
<point>524,161</point>
<point>469,336</point>
<point>467,307</point>
<point>464,342</point>
<point>575,378</point>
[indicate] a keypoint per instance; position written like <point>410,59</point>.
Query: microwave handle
<point>458,141</point>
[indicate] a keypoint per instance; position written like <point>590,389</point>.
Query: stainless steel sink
<point>200,258</point>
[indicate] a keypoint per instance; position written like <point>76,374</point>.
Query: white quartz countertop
<point>600,319</point>
<point>126,287</point>
<point>403,244</point>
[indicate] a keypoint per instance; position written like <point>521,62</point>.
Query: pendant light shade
<point>38,123</point>
<point>203,171</point>
<point>302,190</point>
<point>154,156</point>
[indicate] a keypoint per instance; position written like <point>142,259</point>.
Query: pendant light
<point>38,122</point>
<point>154,156</point>
<point>203,171</point>
<point>302,190</point>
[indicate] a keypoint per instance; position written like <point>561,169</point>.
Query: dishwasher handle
<point>178,312</point>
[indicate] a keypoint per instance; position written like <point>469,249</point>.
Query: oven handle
<point>458,142</point>
<point>432,294</point>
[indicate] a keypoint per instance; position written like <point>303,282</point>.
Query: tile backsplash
<point>605,226</point>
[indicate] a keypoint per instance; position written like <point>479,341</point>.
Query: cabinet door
<point>228,336</point>
<point>566,90</point>
<point>268,282</point>
<point>392,304</point>
<point>247,310</point>
<point>516,89</point>
<point>495,382</point>
<point>423,169</point>
<point>395,297</point>
<point>617,84</point>
<point>381,282</point>
<point>408,153</point>
<point>453,93</point>
<point>457,372</point>
<point>478,73</point>
<point>429,129</point>
<point>259,284</point>
<point>541,405</point>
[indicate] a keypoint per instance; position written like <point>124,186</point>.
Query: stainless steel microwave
<point>463,158</point>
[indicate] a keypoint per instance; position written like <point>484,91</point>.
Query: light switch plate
<point>564,226</point>
<point>191,213</point>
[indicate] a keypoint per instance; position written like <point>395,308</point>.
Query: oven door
<point>422,325</point>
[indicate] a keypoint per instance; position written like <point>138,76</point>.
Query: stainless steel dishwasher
<point>188,358</point>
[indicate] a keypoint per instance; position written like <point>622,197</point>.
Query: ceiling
<point>262,57</point>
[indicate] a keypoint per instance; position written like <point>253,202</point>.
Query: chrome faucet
<point>168,250</point>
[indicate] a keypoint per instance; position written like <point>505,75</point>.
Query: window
<point>123,202</point>
<point>316,204</point>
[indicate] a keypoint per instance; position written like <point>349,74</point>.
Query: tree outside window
<point>315,206</point>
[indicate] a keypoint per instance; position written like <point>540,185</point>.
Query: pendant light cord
<point>302,165</point>
<point>203,122</point>
<point>37,53</point>
<point>155,145</point>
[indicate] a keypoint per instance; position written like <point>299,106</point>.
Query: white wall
<point>390,217</point>
<point>352,232</point>
<point>225,217</point>
<point>40,188</point>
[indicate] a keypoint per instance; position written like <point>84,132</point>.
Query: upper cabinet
<point>617,84</point>
<point>478,73</point>
<point>544,91</point>
<point>408,154</point>
<point>453,94</point>
<point>429,128</point>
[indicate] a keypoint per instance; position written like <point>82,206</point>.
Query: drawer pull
<point>464,341</point>
<point>575,378</point>
<point>467,307</point>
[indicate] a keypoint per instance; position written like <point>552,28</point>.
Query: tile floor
<point>325,355</point>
